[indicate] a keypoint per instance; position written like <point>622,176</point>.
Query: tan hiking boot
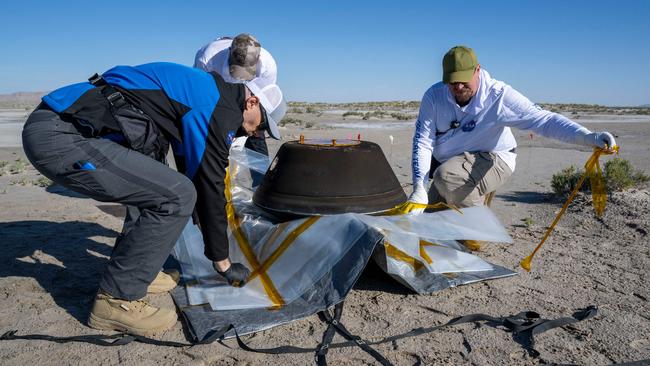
<point>134,317</point>
<point>164,282</point>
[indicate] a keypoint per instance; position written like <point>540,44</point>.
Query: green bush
<point>352,113</point>
<point>290,121</point>
<point>311,109</point>
<point>564,181</point>
<point>42,182</point>
<point>619,175</point>
<point>402,116</point>
<point>18,167</point>
<point>377,114</point>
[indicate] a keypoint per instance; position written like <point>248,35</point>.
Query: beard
<point>463,97</point>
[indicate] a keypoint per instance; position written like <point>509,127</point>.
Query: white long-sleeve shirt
<point>484,124</point>
<point>214,57</point>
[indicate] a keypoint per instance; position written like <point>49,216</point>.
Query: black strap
<point>98,339</point>
<point>115,98</point>
<point>334,323</point>
<point>328,335</point>
<point>525,324</point>
<point>97,80</point>
<point>118,339</point>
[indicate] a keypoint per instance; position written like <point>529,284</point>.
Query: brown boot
<point>164,282</point>
<point>134,317</point>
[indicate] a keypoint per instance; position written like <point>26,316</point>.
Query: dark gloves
<point>236,274</point>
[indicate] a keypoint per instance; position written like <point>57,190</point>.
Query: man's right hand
<point>604,140</point>
<point>419,195</point>
<point>236,274</point>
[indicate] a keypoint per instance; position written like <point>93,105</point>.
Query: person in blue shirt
<point>108,138</point>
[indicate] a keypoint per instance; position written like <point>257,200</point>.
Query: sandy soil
<point>54,245</point>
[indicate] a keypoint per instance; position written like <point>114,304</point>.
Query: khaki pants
<point>465,179</point>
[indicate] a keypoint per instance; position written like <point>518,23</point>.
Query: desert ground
<point>54,244</point>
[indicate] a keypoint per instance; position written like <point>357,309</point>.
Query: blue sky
<point>341,51</point>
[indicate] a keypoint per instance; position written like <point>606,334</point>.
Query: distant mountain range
<point>21,99</point>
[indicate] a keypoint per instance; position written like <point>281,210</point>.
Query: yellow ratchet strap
<point>598,193</point>
<point>407,207</point>
<point>244,246</point>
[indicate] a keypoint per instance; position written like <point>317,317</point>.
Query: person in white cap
<point>462,139</point>
<point>238,60</point>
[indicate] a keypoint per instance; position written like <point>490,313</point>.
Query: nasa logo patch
<point>231,137</point>
<point>469,126</point>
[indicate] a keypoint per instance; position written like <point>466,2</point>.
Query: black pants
<point>159,199</point>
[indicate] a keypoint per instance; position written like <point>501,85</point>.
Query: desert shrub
<point>23,181</point>
<point>18,166</point>
<point>352,113</point>
<point>290,121</point>
<point>309,124</point>
<point>564,181</point>
<point>619,175</point>
<point>3,166</point>
<point>296,110</point>
<point>402,116</point>
<point>42,182</point>
<point>377,114</point>
<point>311,109</point>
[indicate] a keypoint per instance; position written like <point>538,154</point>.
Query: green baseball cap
<point>458,65</point>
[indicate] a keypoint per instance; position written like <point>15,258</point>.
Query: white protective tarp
<point>325,240</point>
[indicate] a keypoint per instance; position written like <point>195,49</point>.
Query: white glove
<point>598,139</point>
<point>419,195</point>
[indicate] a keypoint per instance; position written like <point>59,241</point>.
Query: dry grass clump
<point>19,166</point>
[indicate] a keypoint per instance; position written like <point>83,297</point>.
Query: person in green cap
<point>462,140</point>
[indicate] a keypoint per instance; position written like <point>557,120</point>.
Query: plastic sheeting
<point>308,257</point>
<point>288,258</point>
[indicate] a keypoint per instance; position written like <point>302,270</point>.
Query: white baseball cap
<point>273,104</point>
